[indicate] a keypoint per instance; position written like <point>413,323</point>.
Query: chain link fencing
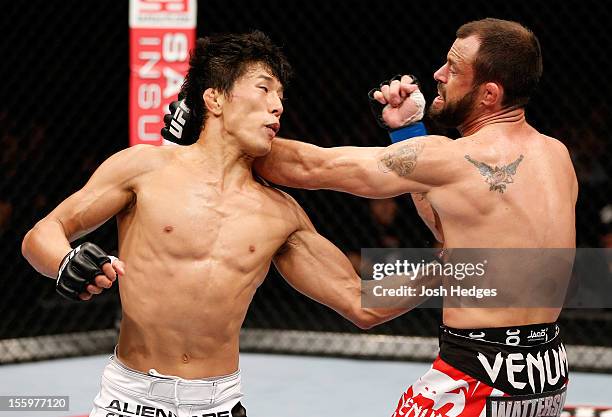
<point>64,109</point>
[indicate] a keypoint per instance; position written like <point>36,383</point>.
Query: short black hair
<point>218,61</point>
<point>509,54</point>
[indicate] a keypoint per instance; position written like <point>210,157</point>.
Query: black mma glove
<point>79,268</point>
<point>178,127</point>
<point>411,129</point>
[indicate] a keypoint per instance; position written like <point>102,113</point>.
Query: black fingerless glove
<point>178,126</point>
<point>400,133</point>
<point>79,268</point>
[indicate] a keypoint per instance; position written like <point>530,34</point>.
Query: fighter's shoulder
<point>147,153</point>
<point>139,159</point>
<point>443,143</point>
<point>428,144</point>
<point>562,156</point>
<point>439,139</point>
<point>125,167</point>
<point>556,144</point>
<point>449,149</point>
<point>429,140</point>
<point>277,196</point>
<point>287,204</point>
<point>423,141</point>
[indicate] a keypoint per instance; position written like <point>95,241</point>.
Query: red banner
<point>161,34</point>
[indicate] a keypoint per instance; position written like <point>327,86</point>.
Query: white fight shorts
<point>125,392</point>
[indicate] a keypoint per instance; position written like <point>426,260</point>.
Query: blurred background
<point>64,109</point>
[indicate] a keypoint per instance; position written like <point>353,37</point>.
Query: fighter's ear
<point>493,94</point>
<point>213,99</point>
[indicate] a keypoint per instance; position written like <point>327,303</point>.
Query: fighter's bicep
<point>306,255</point>
<point>109,191</point>
<point>360,171</point>
<point>416,165</point>
<point>408,167</point>
<point>291,261</point>
<point>318,269</point>
<point>88,208</point>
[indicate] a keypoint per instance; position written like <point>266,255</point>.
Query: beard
<point>454,114</point>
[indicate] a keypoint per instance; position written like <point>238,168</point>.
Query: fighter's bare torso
<point>196,249</point>
<point>504,185</point>
<point>531,206</point>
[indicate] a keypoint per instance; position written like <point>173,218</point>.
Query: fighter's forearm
<point>370,317</point>
<point>388,307</point>
<point>45,246</point>
<point>364,318</point>
<point>371,172</point>
<point>350,169</point>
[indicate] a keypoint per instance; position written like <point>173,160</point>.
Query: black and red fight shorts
<point>497,372</point>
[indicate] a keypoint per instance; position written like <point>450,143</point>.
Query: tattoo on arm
<point>496,177</point>
<point>402,161</point>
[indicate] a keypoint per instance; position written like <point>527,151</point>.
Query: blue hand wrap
<point>407,132</point>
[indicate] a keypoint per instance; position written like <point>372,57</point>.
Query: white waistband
<point>157,386</point>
